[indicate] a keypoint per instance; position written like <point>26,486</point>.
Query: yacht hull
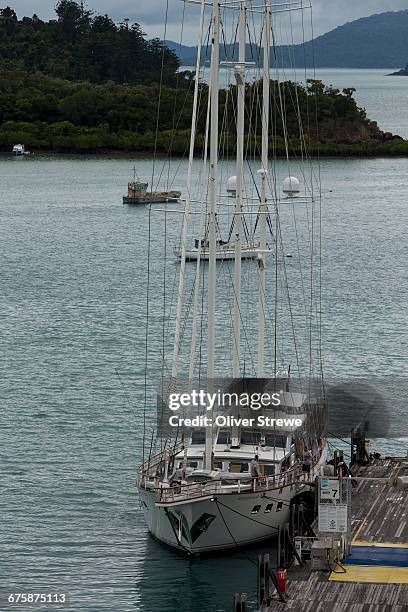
<point>217,522</point>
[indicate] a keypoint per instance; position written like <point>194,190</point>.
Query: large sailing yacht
<point>227,484</point>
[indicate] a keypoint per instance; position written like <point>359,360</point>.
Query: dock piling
<point>240,602</point>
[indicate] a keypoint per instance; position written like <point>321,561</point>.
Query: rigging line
<point>338,438</point>
<point>125,392</point>
<point>188,308</point>
<point>296,106</point>
<point>296,232</point>
<point>205,215</point>
<point>320,201</point>
<point>173,287</point>
<point>146,347</point>
<point>277,213</point>
<point>313,176</point>
<point>183,155</point>
<point>151,444</point>
<point>224,264</point>
<point>201,231</point>
<point>240,548</point>
<point>207,40</point>
<point>164,292</point>
<point>279,234</point>
<point>173,133</point>
<point>258,47</point>
<point>234,40</point>
<point>223,39</point>
<point>160,92</point>
<point>275,323</point>
<point>200,113</point>
<point>175,361</point>
<point>175,99</point>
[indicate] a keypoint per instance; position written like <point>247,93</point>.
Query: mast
<point>198,264</point>
<point>240,80</point>
<point>212,221</point>
<point>264,179</point>
<point>177,333</point>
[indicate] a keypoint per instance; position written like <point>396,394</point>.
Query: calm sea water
<point>384,97</point>
<point>72,300</point>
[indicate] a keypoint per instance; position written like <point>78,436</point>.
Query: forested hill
<point>378,41</point>
<point>78,45</point>
<point>83,83</point>
<point>54,114</point>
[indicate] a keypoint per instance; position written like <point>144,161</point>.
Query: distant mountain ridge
<point>377,41</point>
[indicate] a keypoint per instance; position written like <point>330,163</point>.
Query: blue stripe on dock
<point>378,555</point>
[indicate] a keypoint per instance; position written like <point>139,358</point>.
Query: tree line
<point>46,112</point>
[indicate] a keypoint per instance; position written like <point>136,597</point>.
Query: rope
<point>146,347</point>
<point>246,517</point>
<point>160,93</point>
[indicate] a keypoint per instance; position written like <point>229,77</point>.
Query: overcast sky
<point>327,14</point>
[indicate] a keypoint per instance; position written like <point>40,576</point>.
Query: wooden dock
<point>377,579</point>
<point>379,508</point>
<point>313,592</point>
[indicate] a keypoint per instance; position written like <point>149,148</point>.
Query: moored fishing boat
<point>138,194</point>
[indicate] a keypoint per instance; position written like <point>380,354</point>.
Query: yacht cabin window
<point>276,440</point>
<point>198,436</point>
<point>256,438</point>
<point>224,437</point>
<point>238,468</point>
<point>191,464</point>
<point>267,470</point>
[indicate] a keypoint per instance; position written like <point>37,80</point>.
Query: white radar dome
<point>232,185</point>
<point>291,186</point>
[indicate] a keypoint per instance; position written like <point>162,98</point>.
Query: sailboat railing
<point>146,467</point>
<point>277,482</point>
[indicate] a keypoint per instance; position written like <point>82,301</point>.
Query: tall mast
<point>240,80</point>
<point>264,179</point>
<point>177,333</point>
<point>212,221</point>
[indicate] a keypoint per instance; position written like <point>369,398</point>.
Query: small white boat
<point>18,150</point>
<point>225,251</point>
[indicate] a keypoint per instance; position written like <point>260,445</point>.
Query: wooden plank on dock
<point>380,509</point>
